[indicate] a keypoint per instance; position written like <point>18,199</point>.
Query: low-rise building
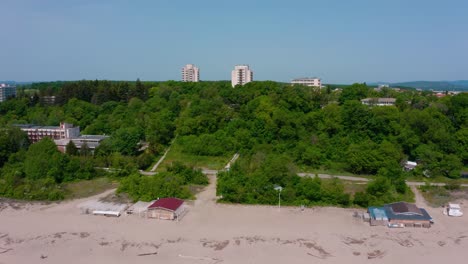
<point>36,133</point>
<point>91,141</point>
<point>167,209</point>
<point>48,99</point>
<point>400,214</point>
<point>62,135</point>
<point>312,82</point>
<point>378,101</point>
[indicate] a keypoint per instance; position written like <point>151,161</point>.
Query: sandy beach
<point>218,233</point>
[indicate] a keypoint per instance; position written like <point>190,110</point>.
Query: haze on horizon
<point>338,41</point>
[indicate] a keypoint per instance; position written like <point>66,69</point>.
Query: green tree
<point>12,140</point>
<point>85,150</point>
<point>71,149</point>
<point>43,159</point>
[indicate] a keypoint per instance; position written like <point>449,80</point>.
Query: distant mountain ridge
<point>460,85</point>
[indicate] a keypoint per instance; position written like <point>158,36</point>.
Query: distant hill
<point>461,85</point>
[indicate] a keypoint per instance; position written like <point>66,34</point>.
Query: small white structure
<point>410,165</point>
<point>97,207</point>
<point>107,213</point>
<point>378,101</point>
<point>454,210</point>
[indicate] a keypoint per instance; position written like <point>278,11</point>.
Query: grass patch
<point>86,188</point>
<point>350,187</point>
<point>437,196</point>
<point>353,187</point>
<point>407,197</point>
<point>190,160</point>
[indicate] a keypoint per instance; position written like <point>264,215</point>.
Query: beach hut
<point>167,209</point>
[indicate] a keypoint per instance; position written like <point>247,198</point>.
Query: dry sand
<point>215,233</point>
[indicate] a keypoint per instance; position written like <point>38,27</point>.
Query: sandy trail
<point>217,233</point>
<point>419,199</point>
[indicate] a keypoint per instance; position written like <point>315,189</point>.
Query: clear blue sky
<point>340,41</point>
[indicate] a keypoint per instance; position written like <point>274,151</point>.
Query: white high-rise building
<point>315,82</point>
<point>241,75</point>
<point>190,73</point>
<point>6,91</point>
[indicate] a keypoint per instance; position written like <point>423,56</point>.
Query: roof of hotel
<point>171,204</point>
<point>91,137</point>
<point>31,126</point>
<point>380,100</point>
<point>306,79</point>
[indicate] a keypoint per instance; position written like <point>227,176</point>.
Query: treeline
<point>175,182</point>
<point>252,180</point>
<point>326,130</point>
<point>36,172</point>
<point>331,131</point>
<point>96,92</point>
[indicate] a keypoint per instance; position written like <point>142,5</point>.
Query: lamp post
<point>279,189</point>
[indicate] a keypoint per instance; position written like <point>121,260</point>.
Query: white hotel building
<point>241,75</point>
<point>6,91</point>
<point>312,82</point>
<point>190,73</point>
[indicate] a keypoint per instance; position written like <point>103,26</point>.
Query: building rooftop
<point>379,100</point>
<point>91,137</point>
<point>305,79</point>
<point>406,211</point>
<point>405,208</point>
<point>378,213</point>
<point>171,204</point>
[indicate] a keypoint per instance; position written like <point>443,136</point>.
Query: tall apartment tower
<point>6,91</point>
<point>190,73</point>
<point>241,75</point>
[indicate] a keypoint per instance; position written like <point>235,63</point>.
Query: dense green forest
<point>277,128</point>
<point>174,182</point>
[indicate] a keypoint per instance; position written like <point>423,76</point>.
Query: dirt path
<point>419,199</point>
<point>207,197</point>
<point>160,160</point>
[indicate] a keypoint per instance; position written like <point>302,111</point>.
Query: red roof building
<point>166,208</point>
